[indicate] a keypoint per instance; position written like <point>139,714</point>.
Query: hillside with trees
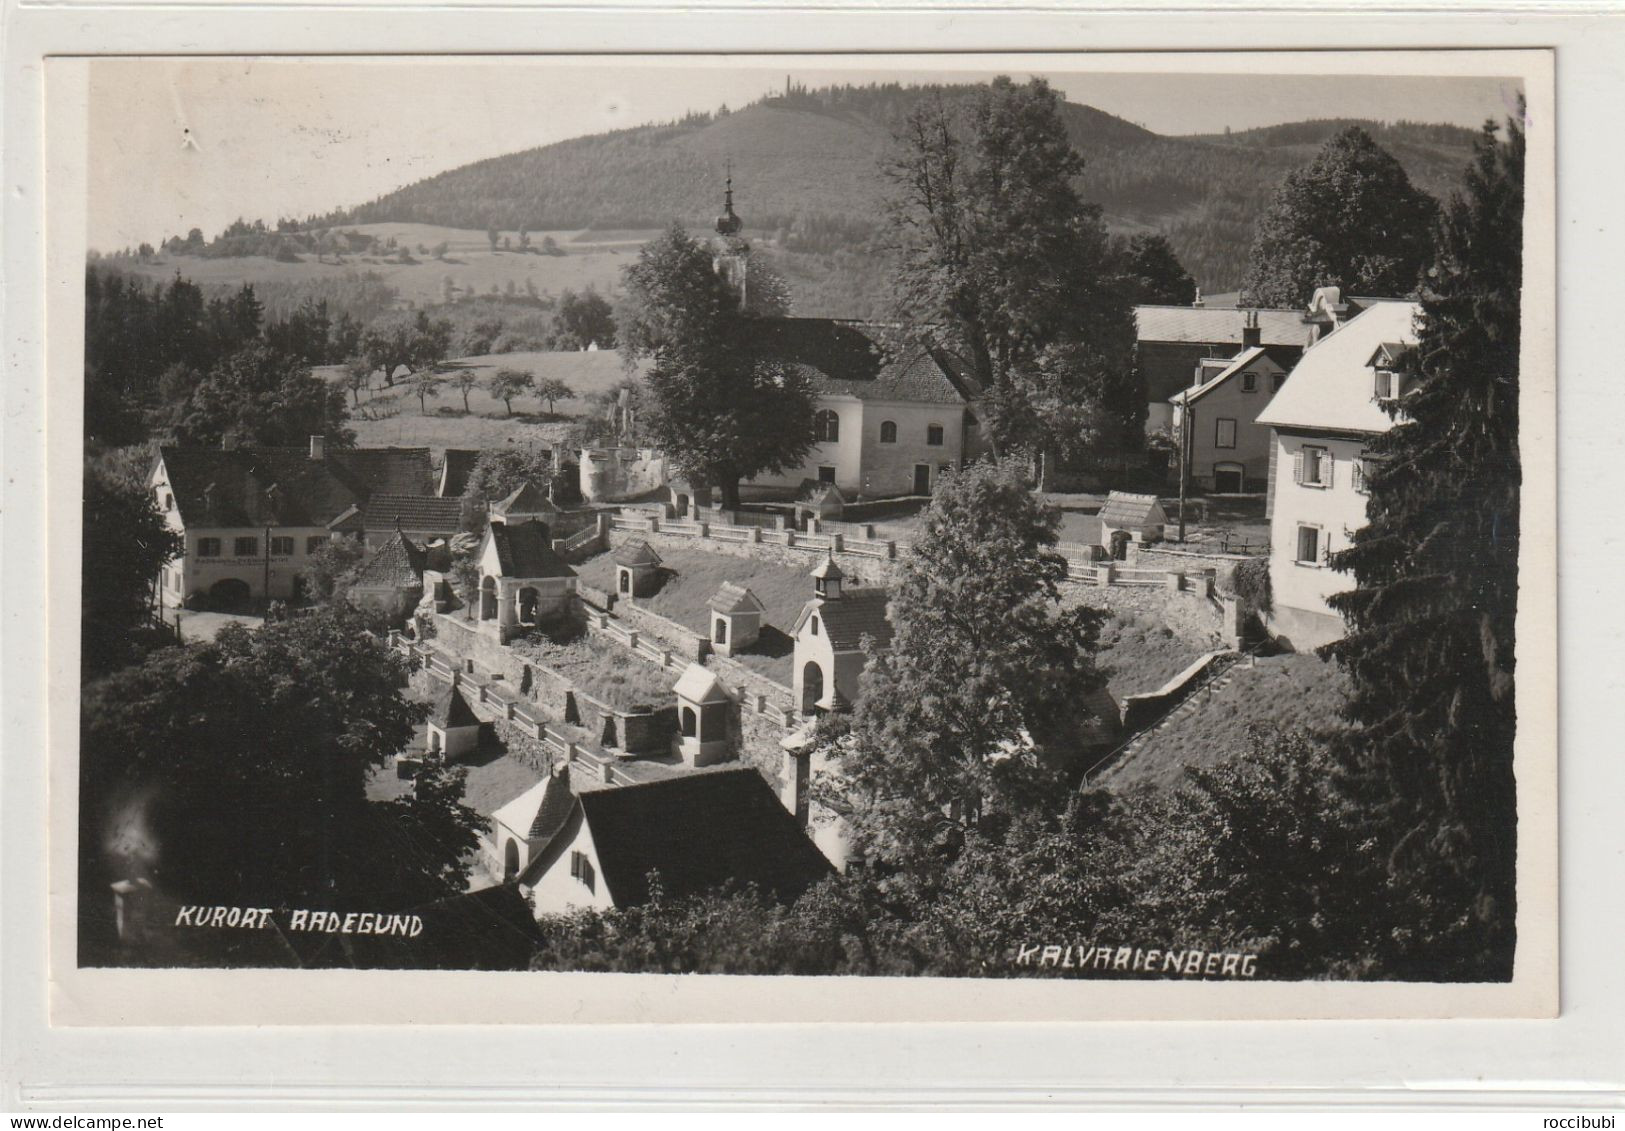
<point>805,166</point>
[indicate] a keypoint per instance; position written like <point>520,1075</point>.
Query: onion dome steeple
<point>729,223</point>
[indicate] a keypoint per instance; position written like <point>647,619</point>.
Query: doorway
<point>922,479</point>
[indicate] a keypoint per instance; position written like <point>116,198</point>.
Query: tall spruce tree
<point>1350,218</point>
<point>1431,640</point>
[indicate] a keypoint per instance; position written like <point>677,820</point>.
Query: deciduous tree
<point>126,542</point>
<point>722,412</point>
<point>506,384</point>
<point>261,397</point>
<point>553,389</point>
<point>975,708</point>
<point>996,252</point>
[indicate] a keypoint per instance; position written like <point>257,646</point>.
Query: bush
<point>1251,582</point>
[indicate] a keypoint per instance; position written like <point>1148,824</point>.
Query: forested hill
<point>806,169</point>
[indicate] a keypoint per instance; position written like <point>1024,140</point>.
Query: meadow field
<point>391,416</point>
<point>588,260</point>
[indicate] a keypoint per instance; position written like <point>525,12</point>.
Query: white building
<point>828,635</point>
<point>1335,401</point>
<point>250,518</point>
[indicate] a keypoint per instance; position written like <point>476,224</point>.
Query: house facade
<point>1171,342</point>
<point>1336,400</point>
<point>250,518</point>
<point>522,579</point>
<point>1227,451</point>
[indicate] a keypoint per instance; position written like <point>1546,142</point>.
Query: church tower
<point>730,253</point>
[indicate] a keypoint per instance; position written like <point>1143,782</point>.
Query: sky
<point>182,143</point>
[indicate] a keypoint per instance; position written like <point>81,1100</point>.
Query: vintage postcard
<point>802,538</point>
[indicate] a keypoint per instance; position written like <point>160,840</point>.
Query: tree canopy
<point>721,412</point>
<point>1350,218</point>
<point>126,543</point>
<point>998,253</point>
<point>974,707</point>
<point>258,396</point>
<point>235,771</point>
<point>1431,622</point>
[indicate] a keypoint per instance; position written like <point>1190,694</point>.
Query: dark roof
<point>857,359</point>
<point>421,513</point>
<point>525,549</point>
<point>699,831</point>
<point>397,564</point>
<point>854,614</point>
<point>528,499</point>
<point>452,710</point>
<point>490,929</point>
<point>636,553</point>
<point>557,802</point>
<point>455,469</point>
<point>395,471</point>
<point>284,486</point>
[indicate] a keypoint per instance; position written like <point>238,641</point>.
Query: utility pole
<point>1187,421</point>
<point>268,564</point>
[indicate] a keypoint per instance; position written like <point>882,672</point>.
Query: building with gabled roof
<point>453,727</point>
<point>1345,391</point>
<point>1128,517</point>
<point>526,502</point>
<point>828,635</point>
<point>1172,342</point>
<point>522,579</point>
<point>424,518</point>
<point>637,567</point>
<point>697,832</point>
<point>1226,449</point>
<point>390,578</point>
<point>250,518</point>
<point>736,618</point>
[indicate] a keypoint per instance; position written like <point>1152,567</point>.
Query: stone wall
<point>1190,561</point>
<point>687,643</point>
<point>1191,615</point>
<point>870,571</point>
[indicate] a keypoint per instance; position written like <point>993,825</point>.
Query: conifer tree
<point>1431,640</point>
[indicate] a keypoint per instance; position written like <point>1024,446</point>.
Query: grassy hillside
<point>390,415</point>
<point>1290,692</point>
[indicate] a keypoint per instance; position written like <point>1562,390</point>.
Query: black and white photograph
<point>1019,520</point>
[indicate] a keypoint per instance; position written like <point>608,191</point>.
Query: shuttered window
<point>1312,466</point>
<point>1308,545</point>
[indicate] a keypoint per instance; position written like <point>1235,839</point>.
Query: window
<point>208,547</point>
<point>245,547</point>
<point>1308,545</point>
<point>169,501</point>
<point>314,543</point>
<point>1249,382</point>
<point>933,435</point>
<point>721,634</point>
<point>1312,466</point>
<point>1224,432</point>
<point>1387,385</point>
<point>826,427</point>
<point>581,868</point>
<point>812,626</point>
<point>282,547</point>
<point>826,474</point>
<point>1280,379</point>
<point>888,431</point>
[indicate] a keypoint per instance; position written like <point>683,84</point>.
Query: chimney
<point>1251,335</point>
<point>318,447</point>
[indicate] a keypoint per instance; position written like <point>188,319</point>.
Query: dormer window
<point>1388,385</point>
